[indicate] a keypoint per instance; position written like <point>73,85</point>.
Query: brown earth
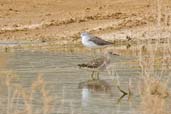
<point>62,21</point>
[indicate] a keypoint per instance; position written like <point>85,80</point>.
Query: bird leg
<point>92,74</point>
<point>97,75</point>
<point>94,54</point>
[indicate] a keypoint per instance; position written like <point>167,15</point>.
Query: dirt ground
<point>62,21</point>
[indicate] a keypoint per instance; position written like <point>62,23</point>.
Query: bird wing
<point>99,41</point>
<point>95,63</point>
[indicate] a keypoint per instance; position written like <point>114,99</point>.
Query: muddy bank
<point>61,21</point>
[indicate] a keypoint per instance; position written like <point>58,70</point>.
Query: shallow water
<point>62,81</point>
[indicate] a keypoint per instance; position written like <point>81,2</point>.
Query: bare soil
<point>62,21</point>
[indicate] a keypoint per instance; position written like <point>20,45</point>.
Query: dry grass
<point>153,87</point>
<point>153,96</point>
<point>17,94</point>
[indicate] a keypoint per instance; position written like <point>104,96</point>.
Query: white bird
<point>91,41</point>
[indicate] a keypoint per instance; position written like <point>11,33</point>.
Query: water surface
<point>62,82</point>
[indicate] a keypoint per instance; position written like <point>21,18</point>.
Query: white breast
<point>87,43</point>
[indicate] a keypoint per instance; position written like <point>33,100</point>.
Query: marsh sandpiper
<point>99,64</point>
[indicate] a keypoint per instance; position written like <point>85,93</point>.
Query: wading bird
<point>98,64</point>
<point>93,42</point>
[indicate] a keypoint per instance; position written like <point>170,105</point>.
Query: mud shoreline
<point>61,21</point>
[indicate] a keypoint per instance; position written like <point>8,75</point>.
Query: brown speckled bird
<point>98,64</point>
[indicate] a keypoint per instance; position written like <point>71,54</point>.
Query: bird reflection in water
<point>91,86</point>
<point>85,94</point>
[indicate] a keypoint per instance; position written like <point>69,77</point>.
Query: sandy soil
<point>62,21</point>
